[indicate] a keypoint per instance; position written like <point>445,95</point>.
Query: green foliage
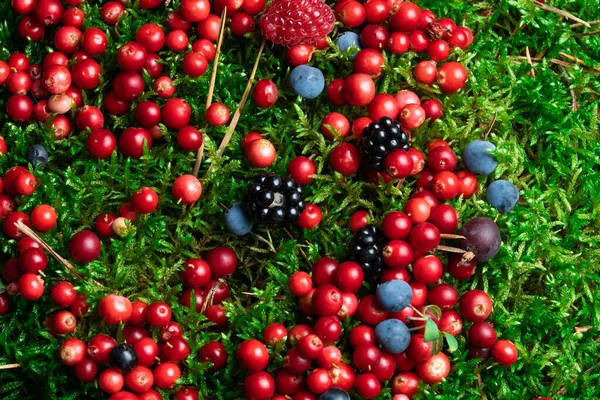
<point>544,281</point>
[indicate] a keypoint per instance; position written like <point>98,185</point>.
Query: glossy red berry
<point>451,77</point>
<point>166,374</point>
<point>345,159</point>
<point>260,153</point>
<point>444,296</point>
<point>445,217</point>
<point>259,386</point>
<point>475,306</point>
<point>265,93</point>
<point>72,351</point>
<point>187,189</point>
<point>435,369</point>
<point>428,269</point>
<point>215,353</point>
<point>145,200</point>
<point>115,309</point>
<point>252,355</point>
<point>63,293</point>
<point>86,370</point>
<point>505,353</point>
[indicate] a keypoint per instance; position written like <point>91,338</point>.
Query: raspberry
<point>274,200</point>
<point>292,22</point>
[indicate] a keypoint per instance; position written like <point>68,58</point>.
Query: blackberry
<point>379,139</point>
<point>366,250</point>
<point>274,200</point>
<point>123,356</point>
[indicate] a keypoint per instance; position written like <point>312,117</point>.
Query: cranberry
<point>349,277</point>
<point>80,306</point>
<point>176,348</point>
<point>374,37</point>
<point>444,296</point>
<point>259,386</point>
<point>505,353</point>
<point>329,357</point>
<point>359,89</point>
<point>450,322</point>
<point>475,306</point>
<point>419,350</point>
<point>72,351</point>
<point>451,77</point>
<point>295,363</point>
<point>128,86</point>
<point>428,269</point>
<point>310,347</point>
<point>328,329</point>
<point>215,353</point>
<point>318,380</point>
<point>467,183</point>
<point>147,351</point>
<point>362,335</point>
<point>300,284</point>
<point>94,42</point>
<point>370,312</point>
<point>398,43</point>
<point>403,363</point>
<point>418,210</point>
<point>133,141</point>
<point>482,334</point>
<point>424,237</point>
<point>19,108</point>
<point>301,169</point>
<point>84,247</point>
<point>358,220</point>
<point>195,64</point>
<point>166,374</point>
<point>419,294</point>
<point>260,153</point>
<point>64,322</point>
<point>435,369</point>
<point>397,254</point>
<point>138,312</point>
<point>222,261</point>
<point>335,92</point>
<point>384,370</point>
<point>86,370</point>
<point>367,386</point>
<point>189,138</point>
<point>101,143</point>
<point>345,159</point>
<point>406,18</point>
<point>311,217</point>
<point>252,355</point>
<point>153,66</point>
<point>114,105</point>
<point>241,23</point>
<point>99,348</point>
<point>177,41</point>
<point>459,270</point>
<point>324,270</point>
<point>369,62</point>
<point>158,314</point>
<point>115,309</point>
<point>265,93</point>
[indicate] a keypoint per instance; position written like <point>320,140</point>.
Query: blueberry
<point>502,195</point>
<point>392,335</point>
<point>37,155</point>
<point>238,219</point>
<point>123,356</point>
<point>348,40</point>
<point>478,158</point>
<point>394,296</point>
<point>334,394</point>
<point>307,82</point>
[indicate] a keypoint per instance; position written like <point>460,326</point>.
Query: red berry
<point>335,125</point>
<point>424,237</point>
<point>195,10</point>
<point>349,277</point>
<point>412,116</point>
<point>450,322</point>
<point>19,108</point>
<point>397,254</point>
<point>351,13</point>
<point>177,41</point>
<point>310,347</point>
<point>86,370</point>
<point>406,18</point>
<point>418,41</point>
<point>84,247</point>
<point>345,159</point>
<point>362,335</point>
<point>215,353</point>
<point>370,312</point>
<point>318,380</point>
<point>467,183</point>
<point>158,314</point>
<point>176,348</point>
<point>369,62</point>
<point>274,334</point>
<point>185,393</point>
<point>482,334</point>
<point>451,77</point>
<point>328,329</point>
<point>101,143</point>
<point>145,200</point>
<point>222,261</point>
<point>359,89</point>
<point>505,353</point>
<point>445,185</point>
<point>187,189</point>
<point>64,322</point>
<point>299,54</point>
<point>444,296</point>
<point>287,22</point>
<point>151,37</point>
<point>358,220</point>
<point>324,270</point>
<point>418,210</point>
<point>301,170</point>
<point>419,350</point>
<point>260,153</point>
<point>444,217</point>
<point>398,164</point>
<point>166,374</point>
<point>80,306</point>
<point>329,356</point>
<point>475,306</point>
<point>31,286</point>
<point>428,269</point>
<point>138,312</point>
<point>265,93</point>
<point>366,357</point>
<point>419,293</point>
<point>241,23</point>
<point>335,92</point>
<point>368,386</point>
<point>374,37</point>
<point>133,141</point>
<point>433,109</point>
<point>72,351</point>
<point>252,355</point>
<point>459,270</point>
<point>435,369</point>
<point>259,386</point>
<point>425,72</point>
<point>311,217</point>
<point>438,50</point>
<point>217,114</point>
<point>115,309</point>
<point>147,351</point>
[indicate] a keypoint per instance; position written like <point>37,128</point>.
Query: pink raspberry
<point>292,22</point>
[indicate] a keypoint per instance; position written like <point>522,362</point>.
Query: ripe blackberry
<point>366,249</point>
<point>379,139</point>
<point>274,199</point>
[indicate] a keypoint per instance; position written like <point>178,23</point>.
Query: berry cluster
<point>129,363</point>
<point>274,200</point>
<point>367,249</point>
<point>379,140</point>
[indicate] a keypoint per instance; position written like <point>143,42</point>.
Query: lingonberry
<point>428,269</point>
<point>99,348</point>
<point>158,314</point>
<point>438,50</point>
<point>214,353</point>
<point>444,296</point>
<point>19,108</point>
<point>187,189</point>
<point>259,385</point>
<point>335,92</point>
<point>221,291</point>
<point>64,322</point>
<point>441,158</point>
<point>458,269</point>
<point>299,54</point>
<point>310,347</point>
<point>505,353</point>
<point>374,37</point>
<point>412,116</point>
<point>111,380</point>
<point>345,159</point>
<point>475,306</point>
<point>252,355</point>
<point>171,329</point>
<point>369,62</point>
<point>139,380</point>
<point>343,376</point>
<point>398,164</point>
<point>433,109</point>
<point>115,309</point>
<point>222,261</point>
<point>424,237</point>
<point>370,312</point>
<point>329,357</point>
<point>324,270</point>
<point>104,223</point>
<point>31,286</point>
<point>482,334</point>
<point>367,386</point>
<point>349,306</point>
<point>217,114</point>
<point>477,352</point>
<point>384,370</point>
<point>138,312</point>
<point>260,153</point>
<point>366,357</point>
<point>467,183</point>
<point>418,41</point>
<point>300,284</point>
<point>396,225</point>
<point>166,374</point>
<point>318,380</point>
<point>265,93</point>
<point>359,89</point>
<point>397,254</point>
<point>419,297</point>
<point>63,293</point>
<point>189,138</point>
<point>427,17</point>
<point>329,329</point>
<point>398,43</point>
<point>176,348</point>
<point>406,18</point>
<point>297,333</point>
<point>311,217</point>
<point>419,350</point>
<point>427,196</point>
<point>450,322</point>
<point>72,351</point>
<point>444,217</point>
<point>295,363</point>
<point>132,333</point>
<point>301,169</point>
<point>33,260</point>
<point>86,370</point>
<point>349,277</point>
<point>425,72</point>
<point>80,306</point>
<point>377,11</point>
<point>241,24</point>
<point>403,315</point>
<point>358,220</point>
<point>274,334</point>
<point>451,77</point>
<point>435,369</point>
<point>335,125</point>
<point>147,351</point>
<point>350,13</point>
<point>417,210</point>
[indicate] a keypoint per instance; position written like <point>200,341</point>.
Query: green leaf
<point>452,343</point>
<point>431,331</point>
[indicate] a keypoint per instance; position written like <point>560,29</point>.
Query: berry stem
<point>451,236</point>
<point>418,312</point>
<point>238,111</point>
<point>33,236</point>
<point>9,366</point>
<point>416,328</point>
<point>211,295</point>
<point>416,318</point>
<point>211,87</point>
